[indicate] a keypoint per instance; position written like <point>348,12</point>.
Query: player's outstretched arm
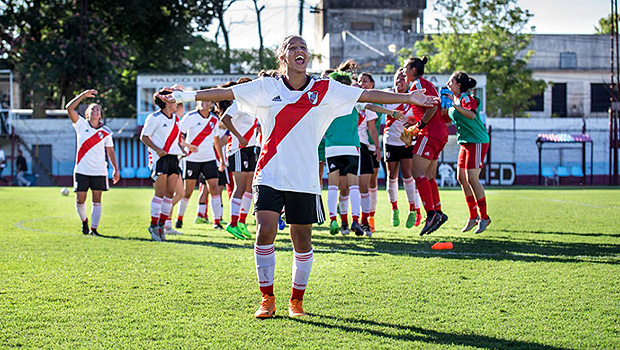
<point>386,97</point>
<point>70,107</point>
<point>216,94</point>
<point>378,109</point>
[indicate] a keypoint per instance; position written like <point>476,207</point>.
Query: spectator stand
<point>565,141</point>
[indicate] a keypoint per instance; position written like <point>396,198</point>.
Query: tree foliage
<point>604,25</point>
<point>485,36</point>
<point>61,47</point>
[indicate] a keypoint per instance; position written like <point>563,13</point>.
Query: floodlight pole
<point>615,100</point>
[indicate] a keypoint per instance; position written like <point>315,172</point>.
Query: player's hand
<point>89,93</point>
<point>192,148</point>
<point>378,154</point>
<point>418,98</point>
<point>161,152</point>
<point>398,115</point>
<point>243,142</point>
<point>221,167</point>
<point>177,87</point>
<point>115,177</point>
<point>166,98</point>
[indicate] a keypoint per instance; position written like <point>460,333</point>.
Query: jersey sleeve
<point>185,123</point>
<point>469,102</point>
<point>108,142</point>
<point>78,122</point>
<point>233,111</point>
<point>371,115</point>
<point>343,97</point>
<point>150,124</point>
<point>248,95</point>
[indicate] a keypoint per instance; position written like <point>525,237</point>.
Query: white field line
<point>20,225</point>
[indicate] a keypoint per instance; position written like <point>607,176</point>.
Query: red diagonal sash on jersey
<point>287,118</point>
<point>204,133</point>
<point>90,143</point>
<point>174,135</point>
<point>248,135</point>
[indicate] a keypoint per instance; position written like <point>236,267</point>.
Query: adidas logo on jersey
<point>277,99</point>
<point>426,153</point>
<point>164,125</point>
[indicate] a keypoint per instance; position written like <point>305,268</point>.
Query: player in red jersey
<point>94,142</point>
<point>432,136</point>
<point>294,111</point>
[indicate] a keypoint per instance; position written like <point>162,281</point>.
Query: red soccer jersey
<point>436,127</point>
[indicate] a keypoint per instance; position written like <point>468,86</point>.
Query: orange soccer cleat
<point>295,308</point>
<point>371,223</point>
<point>267,307</point>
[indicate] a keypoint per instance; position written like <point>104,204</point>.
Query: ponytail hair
<point>418,64</point>
<point>464,80</point>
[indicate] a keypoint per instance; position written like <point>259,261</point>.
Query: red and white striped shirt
<point>200,133</point>
<point>293,123</point>
<point>164,132</point>
<point>91,143</point>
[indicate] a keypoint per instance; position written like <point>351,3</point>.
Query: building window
<point>362,26</point>
<point>568,60</point>
<point>539,103</point>
<point>558,100</point>
<point>599,97</point>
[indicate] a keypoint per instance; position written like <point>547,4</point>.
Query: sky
<point>280,19</point>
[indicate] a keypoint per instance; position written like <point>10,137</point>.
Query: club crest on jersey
<point>313,96</point>
<point>100,134</point>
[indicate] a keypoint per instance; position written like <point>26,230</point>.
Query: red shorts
<point>471,155</point>
<point>429,148</point>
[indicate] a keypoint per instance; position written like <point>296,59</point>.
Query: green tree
<point>486,36</point>
<point>604,25</point>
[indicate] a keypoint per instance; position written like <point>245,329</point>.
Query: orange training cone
<point>442,245</point>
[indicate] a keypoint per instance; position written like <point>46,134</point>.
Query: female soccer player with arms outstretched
<point>294,111</point>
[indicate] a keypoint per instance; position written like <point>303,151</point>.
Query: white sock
<point>235,206</point>
<point>354,196</point>
<point>81,210</point>
<point>216,207</point>
<point>265,262</point>
<point>392,190</point>
<point>202,209</point>
<point>168,223</point>
<point>166,207</point>
<point>372,193</point>
<point>410,190</point>
<point>332,200</point>
<point>156,207</point>
<point>183,206</point>
<point>365,202</point>
<point>95,215</point>
<point>344,205</point>
<point>246,202</point>
<point>302,264</point>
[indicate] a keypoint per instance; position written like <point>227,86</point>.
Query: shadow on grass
<point>464,248</point>
<point>414,333</point>
<point>539,232</point>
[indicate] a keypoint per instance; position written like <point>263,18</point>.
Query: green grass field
<point>545,275</point>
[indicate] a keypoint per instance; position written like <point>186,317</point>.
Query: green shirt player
<point>474,144</point>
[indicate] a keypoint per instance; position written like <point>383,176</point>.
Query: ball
<point>64,191</point>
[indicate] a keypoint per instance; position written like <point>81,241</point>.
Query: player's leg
<point>269,204</point>
<point>355,198</point>
<point>372,194</point>
<point>80,208</point>
<point>156,206</point>
<point>343,202</point>
<point>188,190</point>
<point>332,196</point>
<point>411,191</point>
<point>95,213</point>
<point>215,190</point>
<point>392,189</point>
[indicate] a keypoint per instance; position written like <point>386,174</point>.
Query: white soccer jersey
<point>366,116</point>
<point>394,128</point>
<point>293,123</point>
<point>245,125</point>
<point>91,143</point>
<point>200,133</point>
<point>164,132</point>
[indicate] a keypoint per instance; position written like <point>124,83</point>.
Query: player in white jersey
<point>201,127</point>
<point>398,155</point>
<point>94,142</point>
<point>241,153</point>
<point>294,112</point>
<point>162,136</point>
<point>370,152</point>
